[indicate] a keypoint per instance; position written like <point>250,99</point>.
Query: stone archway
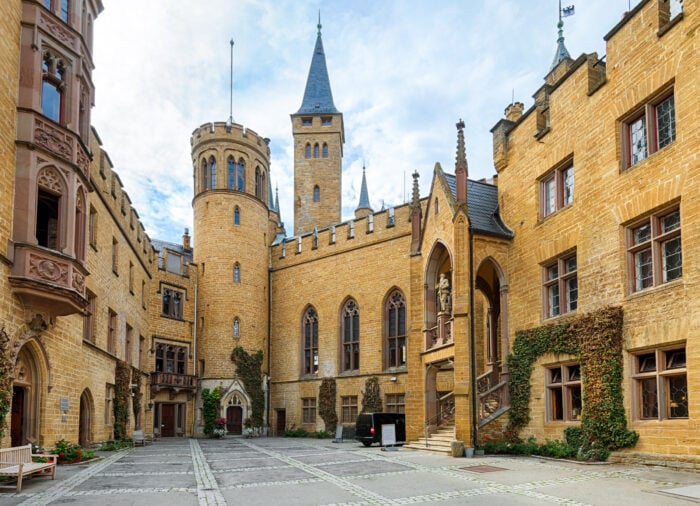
<point>86,417</point>
<point>27,389</point>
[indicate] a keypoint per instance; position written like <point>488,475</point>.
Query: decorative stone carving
<point>57,30</point>
<point>49,179</point>
<point>79,282</point>
<point>83,162</point>
<point>48,269</point>
<point>53,139</point>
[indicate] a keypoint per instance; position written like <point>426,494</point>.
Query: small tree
<point>372,400</point>
<point>326,402</point>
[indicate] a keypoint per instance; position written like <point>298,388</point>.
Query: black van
<point>368,427</point>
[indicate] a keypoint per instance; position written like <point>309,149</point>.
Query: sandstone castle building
<point>592,216</point>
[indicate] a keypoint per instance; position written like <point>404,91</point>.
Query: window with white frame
<point>661,384</point>
<point>557,189</point>
<point>560,286</point>
<point>564,398</point>
<point>654,250</point>
<point>648,129</point>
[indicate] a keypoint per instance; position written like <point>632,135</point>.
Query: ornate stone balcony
<point>173,382</point>
<point>48,282</point>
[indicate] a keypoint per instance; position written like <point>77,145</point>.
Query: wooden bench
<point>17,461</point>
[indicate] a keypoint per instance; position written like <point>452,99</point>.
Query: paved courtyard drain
<point>484,469</point>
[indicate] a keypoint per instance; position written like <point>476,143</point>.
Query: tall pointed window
<point>212,172</point>
<point>395,328</point>
<point>317,194</point>
<point>237,216</point>
<point>325,150</point>
<point>315,150</point>
<point>205,175</point>
<point>231,173</point>
<point>257,182</point>
<point>241,175</point>
<point>307,151</point>
<point>236,328</point>
<point>351,336</point>
<point>310,342</point>
<point>237,273</point>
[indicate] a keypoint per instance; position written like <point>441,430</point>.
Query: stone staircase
<point>438,442</point>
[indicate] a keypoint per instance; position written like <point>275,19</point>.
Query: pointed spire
<point>461,160</point>
<point>318,97</point>
<point>562,53</point>
<point>415,195</point>
<point>270,196</point>
<point>277,200</point>
<point>363,208</point>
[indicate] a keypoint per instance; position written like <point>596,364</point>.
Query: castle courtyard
<point>289,471</point>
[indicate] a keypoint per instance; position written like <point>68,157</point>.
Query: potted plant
<point>220,429</point>
<point>248,424</point>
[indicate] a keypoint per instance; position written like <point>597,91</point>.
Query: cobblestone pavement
<point>271,471</point>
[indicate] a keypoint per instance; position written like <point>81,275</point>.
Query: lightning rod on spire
<point>230,116</point>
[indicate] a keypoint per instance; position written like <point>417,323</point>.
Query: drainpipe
<point>269,333</point>
<point>472,353</point>
<point>194,355</point>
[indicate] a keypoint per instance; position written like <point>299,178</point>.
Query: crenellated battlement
<point>386,225</point>
<point>220,131</point>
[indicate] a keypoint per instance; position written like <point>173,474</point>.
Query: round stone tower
<point>235,221</point>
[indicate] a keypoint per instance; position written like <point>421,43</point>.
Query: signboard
<point>338,434</point>
<point>65,403</point>
<point>388,434</point>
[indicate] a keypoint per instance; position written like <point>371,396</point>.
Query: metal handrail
<point>439,416</point>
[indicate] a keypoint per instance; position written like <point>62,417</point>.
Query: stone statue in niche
<point>443,289</point>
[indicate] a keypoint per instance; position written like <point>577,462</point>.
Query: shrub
<point>115,445</point>
<point>69,452</point>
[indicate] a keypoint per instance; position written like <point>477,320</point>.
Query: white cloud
<point>402,73</point>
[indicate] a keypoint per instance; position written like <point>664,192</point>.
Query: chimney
<point>186,239</point>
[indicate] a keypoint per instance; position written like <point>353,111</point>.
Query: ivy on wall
<point>596,340</point>
<point>210,409</point>
<point>249,369</point>
<point>122,392</point>
<point>5,380</point>
<point>372,399</point>
<point>326,404</point>
<point>138,395</point>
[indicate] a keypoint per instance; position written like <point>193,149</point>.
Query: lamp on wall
<point>149,406</point>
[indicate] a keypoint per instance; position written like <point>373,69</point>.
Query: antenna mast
<point>230,117</point>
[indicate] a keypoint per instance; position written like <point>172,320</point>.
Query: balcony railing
<point>173,382</point>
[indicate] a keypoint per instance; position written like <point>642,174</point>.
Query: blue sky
<point>402,72</point>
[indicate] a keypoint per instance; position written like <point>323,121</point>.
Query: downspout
<point>472,353</point>
<point>269,334</point>
<point>194,355</point>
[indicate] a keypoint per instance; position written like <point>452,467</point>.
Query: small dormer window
<point>326,121</point>
<point>173,263</point>
<point>306,121</point>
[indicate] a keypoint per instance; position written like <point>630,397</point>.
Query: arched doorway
<point>85,422</point>
<point>234,420</point>
<point>26,398</point>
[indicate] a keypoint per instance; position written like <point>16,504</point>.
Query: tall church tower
<point>318,150</point>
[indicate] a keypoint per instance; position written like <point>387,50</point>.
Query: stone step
<point>430,448</point>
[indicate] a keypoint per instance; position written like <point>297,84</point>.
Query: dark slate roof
<point>482,201</point>
<point>159,246</point>
<point>317,96</point>
<point>364,194</point>
<point>562,53</point>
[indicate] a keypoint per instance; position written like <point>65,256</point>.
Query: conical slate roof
<point>364,194</point>
<point>562,53</point>
<point>317,95</point>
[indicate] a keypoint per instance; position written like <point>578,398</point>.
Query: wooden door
<point>234,420</point>
<point>281,422</point>
<point>167,420</point>
<point>17,422</point>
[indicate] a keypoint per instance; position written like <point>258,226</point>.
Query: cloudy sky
<point>402,72</point>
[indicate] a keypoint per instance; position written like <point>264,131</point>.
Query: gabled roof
<point>482,201</point>
<point>159,246</point>
<point>317,95</point>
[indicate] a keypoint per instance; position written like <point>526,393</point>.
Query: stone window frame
<point>395,402</point>
<point>641,127</point>
<point>348,409</point>
<point>172,302</point>
<point>309,342</point>
<point>170,358</point>
<point>655,244</point>
<point>661,369</point>
<point>89,321</point>
<point>556,188</point>
<point>560,283</point>
<point>564,392</point>
<point>394,357</point>
<point>236,272</point>
<point>112,328</point>
<point>54,77</point>
<point>308,410</point>
<point>213,183</point>
<point>350,336</point>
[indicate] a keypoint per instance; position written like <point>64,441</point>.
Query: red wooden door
<point>234,420</point>
<point>17,422</point>
<point>167,420</point>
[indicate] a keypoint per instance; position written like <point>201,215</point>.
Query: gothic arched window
<point>350,317</point>
<point>395,330</point>
<point>237,273</point>
<point>236,216</point>
<point>317,194</point>
<point>205,175</point>
<point>325,150</point>
<point>241,175</point>
<point>231,173</point>
<point>307,152</point>
<point>212,171</point>
<point>315,150</point>
<point>310,342</point>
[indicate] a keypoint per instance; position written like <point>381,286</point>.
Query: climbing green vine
<point>5,380</point>
<point>210,409</point>
<point>326,404</point>
<point>596,339</point>
<point>372,399</point>
<point>249,369</point>
<point>122,391</point>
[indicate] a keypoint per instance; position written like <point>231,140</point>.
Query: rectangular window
<point>111,331</point>
<point>564,399</point>
<point>128,344</point>
<point>131,277</point>
<point>308,410</point>
<point>649,129</point>
<point>306,121</point>
<point>143,294</point>
<point>171,358</point>
<point>173,263</point>
<point>661,384</point>
<point>560,286</point>
<point>654,250</point>
<point>115,256</point>
<point>326,120</point>
<point>395,403</point>
<point>89,318</point>
<point>47,219</point>
<point>142,347</point>
<point>93,227</point>
<point>172,303</point>
<point>348,409</point>
<point>557,189</point>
